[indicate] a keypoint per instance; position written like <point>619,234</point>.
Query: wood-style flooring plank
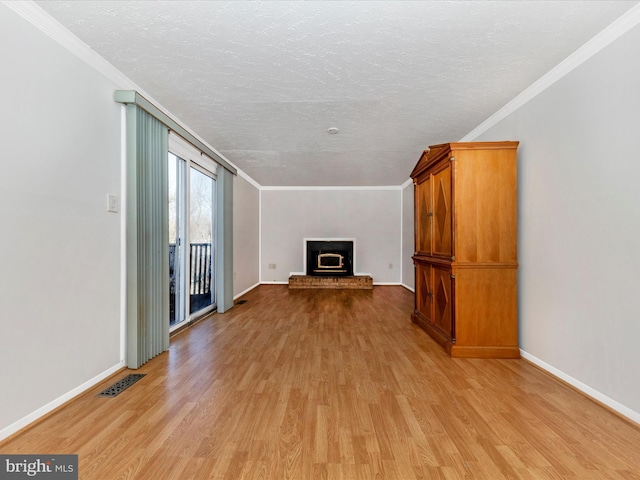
<point>335,384</point>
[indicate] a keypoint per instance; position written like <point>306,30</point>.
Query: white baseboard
<point>246,291</point>
<point>286,283</point>
<point>586,389</point>
<point>32,417</point>
<point>411,289</point>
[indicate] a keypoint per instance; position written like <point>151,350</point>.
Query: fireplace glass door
<point>330,257</point>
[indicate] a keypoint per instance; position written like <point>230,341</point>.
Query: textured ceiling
<point>263,81</point>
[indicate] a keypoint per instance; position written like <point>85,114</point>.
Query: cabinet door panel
<point>424,290</point>
<point>423,215</point>
<point>443,300</point>
<point>442,213</point>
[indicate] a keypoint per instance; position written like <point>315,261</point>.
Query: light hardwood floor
<point>307,384</point>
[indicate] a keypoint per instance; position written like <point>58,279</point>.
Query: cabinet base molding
<point>433,332</point>
<point>461,351</point>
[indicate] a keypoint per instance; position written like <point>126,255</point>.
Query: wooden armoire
<point>465,248</point>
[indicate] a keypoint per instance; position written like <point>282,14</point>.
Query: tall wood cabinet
<point>465,248</point>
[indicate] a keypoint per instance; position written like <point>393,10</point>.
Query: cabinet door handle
<point>429,214</point>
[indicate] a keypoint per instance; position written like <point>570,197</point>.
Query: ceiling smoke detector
<point>333,130</point>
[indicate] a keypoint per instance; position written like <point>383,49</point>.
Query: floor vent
<point>121,385</point>
<point>241,302</point>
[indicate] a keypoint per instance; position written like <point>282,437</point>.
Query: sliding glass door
<point>177,239</point>
<point>201,209</point>
<point>192,193</point>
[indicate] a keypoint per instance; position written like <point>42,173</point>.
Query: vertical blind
<point>147,239</point>
<point>224,233</point>
<point>147,235</point>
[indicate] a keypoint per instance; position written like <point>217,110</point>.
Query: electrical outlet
<point>391,266</point>
<point>272,266</point>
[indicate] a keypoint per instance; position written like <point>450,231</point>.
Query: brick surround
<point>357,282</point>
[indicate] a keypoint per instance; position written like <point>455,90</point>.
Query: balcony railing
<point>200,277</point>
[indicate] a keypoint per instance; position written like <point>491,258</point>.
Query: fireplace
<point>329,258</point>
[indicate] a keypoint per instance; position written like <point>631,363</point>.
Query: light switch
<point>112,203</point>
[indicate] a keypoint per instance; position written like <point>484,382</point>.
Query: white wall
<point>371,216</point>
<point>60,282</point>
<point>408,241</point>
<point>246,235</point>
<point>579,224</point>
<point>60,289</point>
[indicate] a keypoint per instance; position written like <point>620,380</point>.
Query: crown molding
<point>44,22</point>
<point>48,25</point>
<point>406,184</point>
<point>244,175</point>
<point>607,36</point>
<point>51,27</point>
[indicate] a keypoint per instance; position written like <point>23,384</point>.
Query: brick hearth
<point>359,282</point>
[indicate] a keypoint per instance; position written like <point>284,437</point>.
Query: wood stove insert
<point>330,258</point>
